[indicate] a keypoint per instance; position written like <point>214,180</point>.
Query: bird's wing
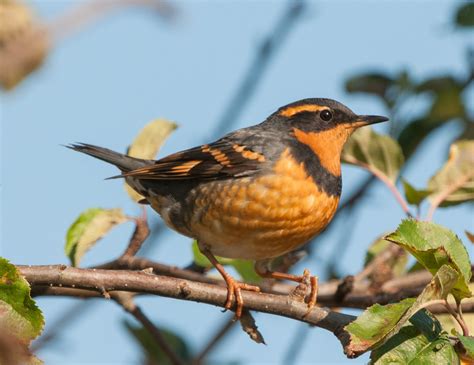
<point>219,160</point>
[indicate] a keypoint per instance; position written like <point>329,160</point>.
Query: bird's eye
<point>326,115</point>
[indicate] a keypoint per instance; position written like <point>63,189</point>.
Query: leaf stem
<point>391,186</point>
<point>459,319</point>
<point>439,198</point>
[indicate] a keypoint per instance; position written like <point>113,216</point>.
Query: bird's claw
<point>234,291</point>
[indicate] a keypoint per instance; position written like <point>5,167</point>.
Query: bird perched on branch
<point>256,193</point>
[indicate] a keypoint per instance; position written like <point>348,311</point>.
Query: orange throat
<point>326,145</point>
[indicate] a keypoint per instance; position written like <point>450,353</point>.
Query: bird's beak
<point>363,120</point>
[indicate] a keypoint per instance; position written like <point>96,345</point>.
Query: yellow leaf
<point>147,144</point>
<point>88,228</point>
<point>454,182</point>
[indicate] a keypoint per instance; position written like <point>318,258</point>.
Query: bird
<point>257,193</point>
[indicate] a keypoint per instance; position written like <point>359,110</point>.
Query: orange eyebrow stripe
<point>292,110</point>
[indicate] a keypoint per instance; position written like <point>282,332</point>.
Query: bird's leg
<point>262,269</point>
<point>233,287</point>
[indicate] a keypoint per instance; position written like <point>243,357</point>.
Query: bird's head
<point>322,115</point>
<point>324,125</point>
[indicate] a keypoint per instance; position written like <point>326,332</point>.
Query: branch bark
<point>112,280</point>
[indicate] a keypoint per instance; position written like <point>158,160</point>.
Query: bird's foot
<point>306,283</point>
<point>234,289</point>
<point>300,292</point>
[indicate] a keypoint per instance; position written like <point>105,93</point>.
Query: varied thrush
<point>256,193</point>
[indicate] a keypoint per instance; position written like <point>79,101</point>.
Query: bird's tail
<point>123,162</point>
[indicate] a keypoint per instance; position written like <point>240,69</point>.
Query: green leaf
<point>19,315</point>
<point>447,102</point>
<point>154,355</point>
<point>378,153</point>
<point>88,228</point>
<point>465,15</point>
<point>454,182</point>
<point>413,195</point>
<point>468,344</point>
<point>374,324</point>
<point>147,144</point>
<point>380,322</point>
<point>415,132</point>
<point>410,346</point>
<point>427,324</point>
<point>434,246</point>
<point>245,268</point>
<point>370,83</point>
<point>437,84</point>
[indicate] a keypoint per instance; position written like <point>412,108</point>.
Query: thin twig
<point>222,331</point>
<point>263,56</point>
<point>461,317</point>
<point>439,198</point>
<point>77,17</point>
<point>125,300</point>
<point>142,231</point>
<point>296,345</point>
<point>391,186</point>
<point>71,314</point>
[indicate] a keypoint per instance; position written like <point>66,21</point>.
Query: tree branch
<point>112,280</point>
<point>360,295</point>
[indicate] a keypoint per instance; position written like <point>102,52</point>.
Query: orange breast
<point>262,217</point>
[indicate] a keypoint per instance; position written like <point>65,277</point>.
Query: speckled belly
<point>261,217</point>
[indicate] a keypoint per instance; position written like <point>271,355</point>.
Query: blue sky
<point>104,83</point>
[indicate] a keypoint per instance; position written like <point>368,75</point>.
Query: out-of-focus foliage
<point>378,153</point>
<point>414,196</point>
<point>454,182</point>
<point>465,15</point>
<point>153,354</point>
<point>23,42</point>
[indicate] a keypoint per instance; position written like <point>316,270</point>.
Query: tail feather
<point>123,162</point>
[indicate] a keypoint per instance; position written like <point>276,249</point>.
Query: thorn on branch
<point>250,327</point>
<point>104,292</point>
